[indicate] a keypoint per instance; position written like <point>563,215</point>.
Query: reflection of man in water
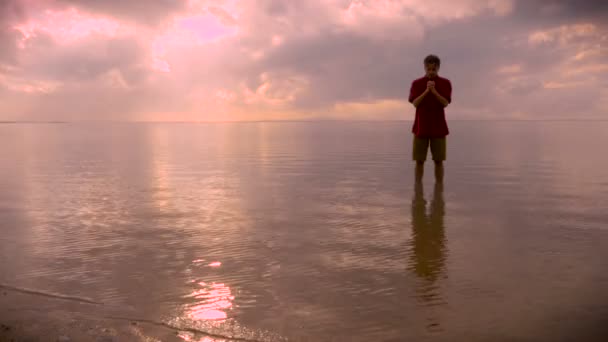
<point>428,252</point>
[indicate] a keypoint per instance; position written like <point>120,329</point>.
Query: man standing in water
<point>430,95</point>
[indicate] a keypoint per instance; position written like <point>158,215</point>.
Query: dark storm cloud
<point>554,11</point>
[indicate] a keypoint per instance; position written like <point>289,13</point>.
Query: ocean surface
<point>313,231</point>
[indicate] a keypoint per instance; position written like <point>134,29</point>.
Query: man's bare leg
<point>438,171</point>
<point>419,170</point>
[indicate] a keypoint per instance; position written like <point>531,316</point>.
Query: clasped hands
<point>430,86</point>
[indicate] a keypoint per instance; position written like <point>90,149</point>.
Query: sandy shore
<point>30,317</point>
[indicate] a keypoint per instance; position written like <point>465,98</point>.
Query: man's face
<point>431,69</point>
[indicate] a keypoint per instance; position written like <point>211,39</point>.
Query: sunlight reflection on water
<point>213,302</point>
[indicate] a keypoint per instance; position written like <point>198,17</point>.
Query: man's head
<point>431,65</point>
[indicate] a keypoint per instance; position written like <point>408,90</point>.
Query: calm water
<point>315,231</point>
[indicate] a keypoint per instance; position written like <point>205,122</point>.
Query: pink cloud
<point>197,28</point>
<point>563,34</point>
<point>203,28</point>
<point>71,24</point>
<point>275,89</point>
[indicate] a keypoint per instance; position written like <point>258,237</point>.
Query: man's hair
<point>432,59</point>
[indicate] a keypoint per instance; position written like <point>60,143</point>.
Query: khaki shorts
<point>421,146</point>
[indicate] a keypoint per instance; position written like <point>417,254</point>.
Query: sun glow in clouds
<point>199,28</point>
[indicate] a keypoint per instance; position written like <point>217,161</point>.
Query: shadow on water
<point>428,252</point>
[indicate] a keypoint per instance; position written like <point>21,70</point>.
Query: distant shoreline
<point>296,121</point>
<point>33,122</point>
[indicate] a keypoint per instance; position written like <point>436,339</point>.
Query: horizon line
<point>264,121</point>
<point>271,121</point>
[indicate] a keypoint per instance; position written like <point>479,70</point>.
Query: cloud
<point>551,12</point>
<point>268,59</point>
<point>10,13</point>
<point>82,61</point>
<point>149,12</point>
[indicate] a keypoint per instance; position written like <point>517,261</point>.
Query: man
<point>430,95</point>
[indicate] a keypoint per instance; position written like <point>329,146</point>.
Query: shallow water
<point>315,231</point>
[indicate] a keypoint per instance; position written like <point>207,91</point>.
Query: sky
<point>242,60</point>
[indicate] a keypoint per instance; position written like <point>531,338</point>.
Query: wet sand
<point>31,317</point>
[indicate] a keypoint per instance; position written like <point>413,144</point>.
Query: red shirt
<point>430,114</point>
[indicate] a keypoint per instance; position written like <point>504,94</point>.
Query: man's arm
<point>445,100</point>
<point>417,101</point>
<point>441,99</point>
<point>416,94</point>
